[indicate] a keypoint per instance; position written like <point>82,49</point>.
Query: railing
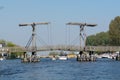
<point>61,47</point>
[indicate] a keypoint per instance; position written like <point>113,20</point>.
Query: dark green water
<point>102,69</point>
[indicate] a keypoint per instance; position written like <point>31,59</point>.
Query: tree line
<point>5,43</point>
<point>108,38</point>
<point>13,55</point>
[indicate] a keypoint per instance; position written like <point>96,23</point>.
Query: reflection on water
<point>102,69</point>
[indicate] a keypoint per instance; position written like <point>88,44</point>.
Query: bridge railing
<point>103,48</point>
<point>61,47</point>
<point>12,49</point>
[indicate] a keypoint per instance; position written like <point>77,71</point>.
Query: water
<point>102,69</point>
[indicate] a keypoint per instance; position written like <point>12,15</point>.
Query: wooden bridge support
<point>24,59</point>
<point>9,54</point>
<point>84,56</point>
<point>32,58</point>
<point>1,56</point>
<point>118,57</point>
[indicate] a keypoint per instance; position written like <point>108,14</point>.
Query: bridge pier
<point>118,57</point>
<point>85,56</point>
<point>9,54</point>
<point>29,59</point>
<point>24,59</point>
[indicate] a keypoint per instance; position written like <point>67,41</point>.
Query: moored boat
<point>1,59</point>
<point>63,58</point>
<point>53,58</point>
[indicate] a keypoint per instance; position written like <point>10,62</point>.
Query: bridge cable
<point>51,34</point>
<point>69,36</point>
<point>74,42</point>
<point>29,42</point>
<point>48,34</point>
<point>66,43</point>
<point>41,40</point>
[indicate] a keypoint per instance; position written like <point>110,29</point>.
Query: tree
<point>3,42</point>
<point>7,43</point>
<point>100,39</point>
<point>91,41</point>
<point>114,31</point>
<point>110,37</point>
<point>10,44</point>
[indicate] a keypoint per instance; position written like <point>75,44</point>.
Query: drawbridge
<point>61,47</point>
<point>33,48</point>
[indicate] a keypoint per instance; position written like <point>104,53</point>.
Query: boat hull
<point>62,58</point>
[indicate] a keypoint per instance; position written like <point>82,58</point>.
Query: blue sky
<point>58,12</point>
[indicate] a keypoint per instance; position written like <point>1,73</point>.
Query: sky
<point>58,13</point>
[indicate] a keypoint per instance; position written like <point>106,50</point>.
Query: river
<point>46,69</point>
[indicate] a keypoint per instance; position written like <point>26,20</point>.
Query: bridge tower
<point>32,41</point>
<point>82,31</point>
<point>81,56</point>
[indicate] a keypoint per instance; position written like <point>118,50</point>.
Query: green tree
<point>10,44</point>
<point>2,41</point>
<point>91,41</point>
<point>114,31</point>
<point>100,39</point>
<point>7,43</point>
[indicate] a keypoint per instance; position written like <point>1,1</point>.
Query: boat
<point>63,58</point>
<point>105,55</point>
<point>1,59</point>
<point>53,58</point>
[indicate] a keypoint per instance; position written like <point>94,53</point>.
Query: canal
<point>102,69</point>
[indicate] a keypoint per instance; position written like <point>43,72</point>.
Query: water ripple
<point>103,69</point>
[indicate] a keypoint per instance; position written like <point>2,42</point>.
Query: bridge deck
<point>61,47</point>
